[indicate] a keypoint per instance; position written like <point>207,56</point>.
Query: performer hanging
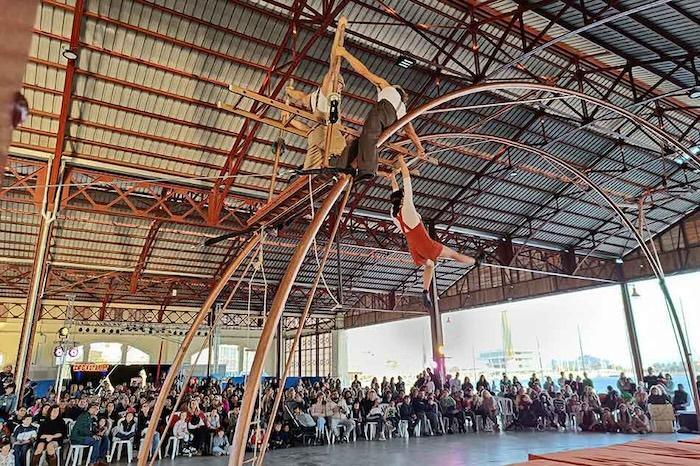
<point>390,106</point>
<point>424,250</point>
<point>319,102</point>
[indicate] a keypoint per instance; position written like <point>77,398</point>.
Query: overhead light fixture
<point>634,292</point>
<point>694,93</point>
<point>58,351</point>
<point>405,62</point>
<point>73,352</point>
<point>173,293</point>
<point>63,332</point>
<point>619,260</point>
<point>70,54</point>
<point>695,149</point>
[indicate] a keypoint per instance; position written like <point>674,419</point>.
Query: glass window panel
<point>136,356</point>
<point>109,353</point>
<point>543,335</point>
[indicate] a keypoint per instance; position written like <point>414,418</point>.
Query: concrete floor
<point>451,450</point>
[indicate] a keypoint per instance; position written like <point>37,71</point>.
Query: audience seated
<point>204,421</point>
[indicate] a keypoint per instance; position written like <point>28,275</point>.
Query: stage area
<point>453,450</point>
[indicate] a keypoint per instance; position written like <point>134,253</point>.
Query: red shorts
<point>421,246</point>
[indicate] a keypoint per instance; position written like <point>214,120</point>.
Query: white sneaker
<point>382,437</point>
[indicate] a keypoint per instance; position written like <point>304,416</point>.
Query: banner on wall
<point>90,367</point>
<point>94,372</point>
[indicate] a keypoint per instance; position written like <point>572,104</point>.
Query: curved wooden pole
<point>497,86</point>
<point>265,343</point>
<point>300,328</point>
<point>184,346</point>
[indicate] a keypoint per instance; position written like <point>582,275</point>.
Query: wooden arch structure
<point>289,202</point>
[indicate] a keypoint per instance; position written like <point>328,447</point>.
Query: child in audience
<point>276,438</point>
<point>6,456</point>
<point>391,415</point>
<point>220,444</point>
<point>182,433</point>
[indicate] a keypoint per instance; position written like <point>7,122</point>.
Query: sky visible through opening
<point>544,336</point>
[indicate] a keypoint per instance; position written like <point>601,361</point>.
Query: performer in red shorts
<point>424,250</point>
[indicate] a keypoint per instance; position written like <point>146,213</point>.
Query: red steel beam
<point>145,253</point>
<point>66,100</point>
<point>237,154</point>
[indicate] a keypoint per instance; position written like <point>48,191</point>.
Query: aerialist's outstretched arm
<point>381,83</point>
<point>411,133</point>
<point>361,69</point>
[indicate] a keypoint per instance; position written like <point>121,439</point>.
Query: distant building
<point>508,359</point>
<point>587,362</point>
<point>515,361</point>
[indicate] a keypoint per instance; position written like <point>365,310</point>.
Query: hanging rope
<point>315,247</point>
<point>258,266</point>
<point>199,354</point>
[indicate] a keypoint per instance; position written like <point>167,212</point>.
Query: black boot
<point>427,302</point>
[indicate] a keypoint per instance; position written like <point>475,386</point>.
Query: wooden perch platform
<point>290,202</point>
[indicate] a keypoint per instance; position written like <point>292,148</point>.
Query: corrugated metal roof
<point>150,73</point>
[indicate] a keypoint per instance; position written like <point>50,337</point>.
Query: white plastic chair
<point>403,428</point>
<point>370,430</point>
<point>76,452</point>
<point>117,445</point>
<point>173,445</point>
<point>43,460</point>
<point>505,408</point>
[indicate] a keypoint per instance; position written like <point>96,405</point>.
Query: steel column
<point>185,344</point>
<point>436,334</point>
<point>279,367</point>
<point>253,382</point>
<point>632,332</point>
<point>683,346</point>
<point>29,324</point>
<point>48,213</point>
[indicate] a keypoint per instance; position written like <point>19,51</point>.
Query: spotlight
<point>70,54</point>
<point>63,332</point>
<point>104,330</point>
<point>58,351</point>
<point>73,352</point>
<point>405,62</point>
<point>173,293</point>
<point>694,93</point>
<point>111,330</point>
